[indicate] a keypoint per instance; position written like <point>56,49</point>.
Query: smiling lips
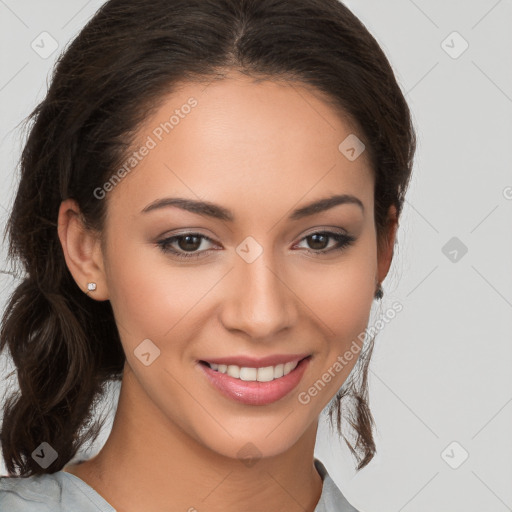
<point>256,381</point>
<point>263,374</point>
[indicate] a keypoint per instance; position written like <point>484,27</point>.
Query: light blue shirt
<point>64,492</point>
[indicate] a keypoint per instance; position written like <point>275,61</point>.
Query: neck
<point>148,463</point>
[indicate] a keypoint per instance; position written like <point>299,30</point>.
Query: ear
<point>82,250</point>
<point>386,245</point>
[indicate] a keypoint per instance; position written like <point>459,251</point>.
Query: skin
<point>260,150</point>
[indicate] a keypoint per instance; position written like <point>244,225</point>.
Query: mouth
<point>255,374</point>
<point>255,385</point>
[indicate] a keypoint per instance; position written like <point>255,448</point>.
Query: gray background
<point>441,371</point>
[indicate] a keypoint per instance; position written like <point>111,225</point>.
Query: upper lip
<point>254,362</point>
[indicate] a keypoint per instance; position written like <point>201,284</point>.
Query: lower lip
<point>254,392</point>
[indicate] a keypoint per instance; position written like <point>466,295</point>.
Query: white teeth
<point>288,367</point>
<point>266,374</point>
<point>248,373</point>
<point>234,371</point>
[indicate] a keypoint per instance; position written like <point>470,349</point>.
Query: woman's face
<point>256,285</point>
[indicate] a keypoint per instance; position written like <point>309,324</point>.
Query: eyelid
<point>312,231</point>
<point>323,229</point>
<point>340,235</point>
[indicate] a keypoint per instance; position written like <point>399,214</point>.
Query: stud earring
<point>379,293</point>
<point>90,287</point>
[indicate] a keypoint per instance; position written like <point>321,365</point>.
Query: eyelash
<point>342,240</point>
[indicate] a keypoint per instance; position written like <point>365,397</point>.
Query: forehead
<point>275,141</point>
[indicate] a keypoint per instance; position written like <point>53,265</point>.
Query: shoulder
<point>55,492</point>
<point>332,499</point>
<point>38,493</point>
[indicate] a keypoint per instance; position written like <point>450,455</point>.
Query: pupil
<point>316,237</point>
<point>187,238</point>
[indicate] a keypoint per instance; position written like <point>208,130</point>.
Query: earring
<point>379,293</point>
<point>90,287</point>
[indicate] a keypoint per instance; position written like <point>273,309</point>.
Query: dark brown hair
<point>132,53</point>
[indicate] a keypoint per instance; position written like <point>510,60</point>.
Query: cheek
<point>340,294</point>
<point>343,297</point>
<point>341,301</point>
<point>344,320</point>
<point>344,310</point>
<point>153,298</point>
<point>149,298</point>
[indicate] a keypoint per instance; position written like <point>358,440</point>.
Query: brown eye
<point>189,242</point>
<point>318,242</point>
<point>180,245</point>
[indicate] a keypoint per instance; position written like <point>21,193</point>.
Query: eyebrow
<point>208,209</point>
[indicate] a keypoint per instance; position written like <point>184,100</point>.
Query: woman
<point>207,208</point>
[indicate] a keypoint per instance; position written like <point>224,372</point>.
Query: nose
<point>261,302</point>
